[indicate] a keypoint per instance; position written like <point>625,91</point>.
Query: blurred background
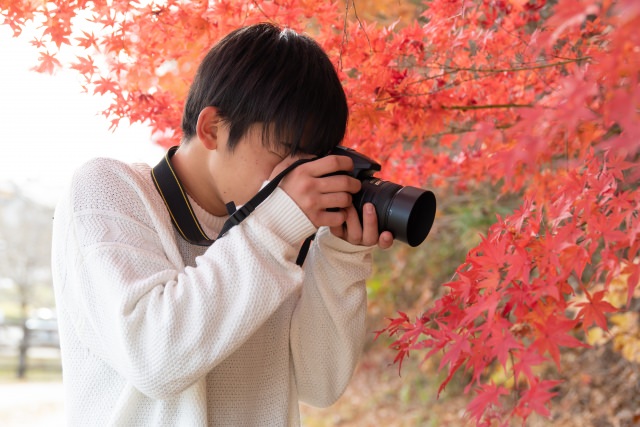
<point>48,128</point>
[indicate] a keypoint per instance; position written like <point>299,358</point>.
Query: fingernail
<point>368,208</point>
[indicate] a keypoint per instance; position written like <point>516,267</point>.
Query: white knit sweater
<point>158,332</point>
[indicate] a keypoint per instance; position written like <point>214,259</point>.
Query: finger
<point>339,231</point>
<point>333,201</point>
<point>353,227</point>
<point>369,225</point>
<point>336,183</point>
<point>332,219</point>
<point>329,164</point>
<point>386,240</point>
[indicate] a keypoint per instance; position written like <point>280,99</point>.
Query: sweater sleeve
<point>328,326</point>
<point>161,325</point>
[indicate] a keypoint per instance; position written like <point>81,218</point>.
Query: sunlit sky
<point>48,127</point>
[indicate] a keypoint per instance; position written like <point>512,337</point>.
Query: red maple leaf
<point>567,14</point>
<point>554,333</point>
<point>395,325</point>
<point>458,348</point>
<point>105,85</point>
<point>48,63</point>
<point>58,30</point>
<point>487,302</point>
<point>37,42</point>
<point>486,395</point>
<point>88,40</point>
<point>535,399</point>
<point>592,311</point>
<point>85,66</point>
<point>502,343</point>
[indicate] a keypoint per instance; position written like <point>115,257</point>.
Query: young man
<point>157,330</point>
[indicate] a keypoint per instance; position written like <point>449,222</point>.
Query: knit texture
<point>158,332</point>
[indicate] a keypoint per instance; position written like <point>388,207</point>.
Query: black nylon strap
<point>240,214</point>
<point>304,250</point>
<point>184,219</point>
<point>177,203</point>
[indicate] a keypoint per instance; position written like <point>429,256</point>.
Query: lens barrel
<point>407,212</point>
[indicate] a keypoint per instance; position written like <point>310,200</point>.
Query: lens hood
<point>411,214</point>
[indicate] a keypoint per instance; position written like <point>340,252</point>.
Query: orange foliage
<point>536,97</point>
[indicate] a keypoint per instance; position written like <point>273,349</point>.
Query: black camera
<point>407,212</point>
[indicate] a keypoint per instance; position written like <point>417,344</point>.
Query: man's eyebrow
<point>282,147</point>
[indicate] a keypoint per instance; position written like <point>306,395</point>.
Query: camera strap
<point>183,217</point>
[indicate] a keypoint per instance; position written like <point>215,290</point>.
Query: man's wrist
<point>280,214</point>
<point>327,238</point>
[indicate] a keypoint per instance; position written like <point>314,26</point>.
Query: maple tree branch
<point>431,92</point>
<point>355,13</point>
<point>507,70</point>
<point>344,29</point>
<point>344,33</point>
<point>484,107</point>
<point>255,3</point>
<point>516,390</point>
<point>453,70</point>
<point>458,131</point>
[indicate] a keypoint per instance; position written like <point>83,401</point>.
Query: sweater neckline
<point>212,224</point>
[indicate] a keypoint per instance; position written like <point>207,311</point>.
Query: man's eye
<point>273,152</point>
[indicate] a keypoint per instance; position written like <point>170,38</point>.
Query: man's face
<point>239,174</point>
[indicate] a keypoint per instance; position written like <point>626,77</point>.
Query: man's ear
<point>208,126</point>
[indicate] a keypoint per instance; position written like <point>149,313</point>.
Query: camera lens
<point>407,212</point>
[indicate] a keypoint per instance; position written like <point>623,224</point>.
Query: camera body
<point>363,166</point>
<point>407,212</point>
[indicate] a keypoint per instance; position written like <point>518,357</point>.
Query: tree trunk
<point>24,345</point>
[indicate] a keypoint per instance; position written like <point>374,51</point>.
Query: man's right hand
<point>314,192</point>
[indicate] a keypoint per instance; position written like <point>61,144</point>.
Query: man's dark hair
<point>275,77</point>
